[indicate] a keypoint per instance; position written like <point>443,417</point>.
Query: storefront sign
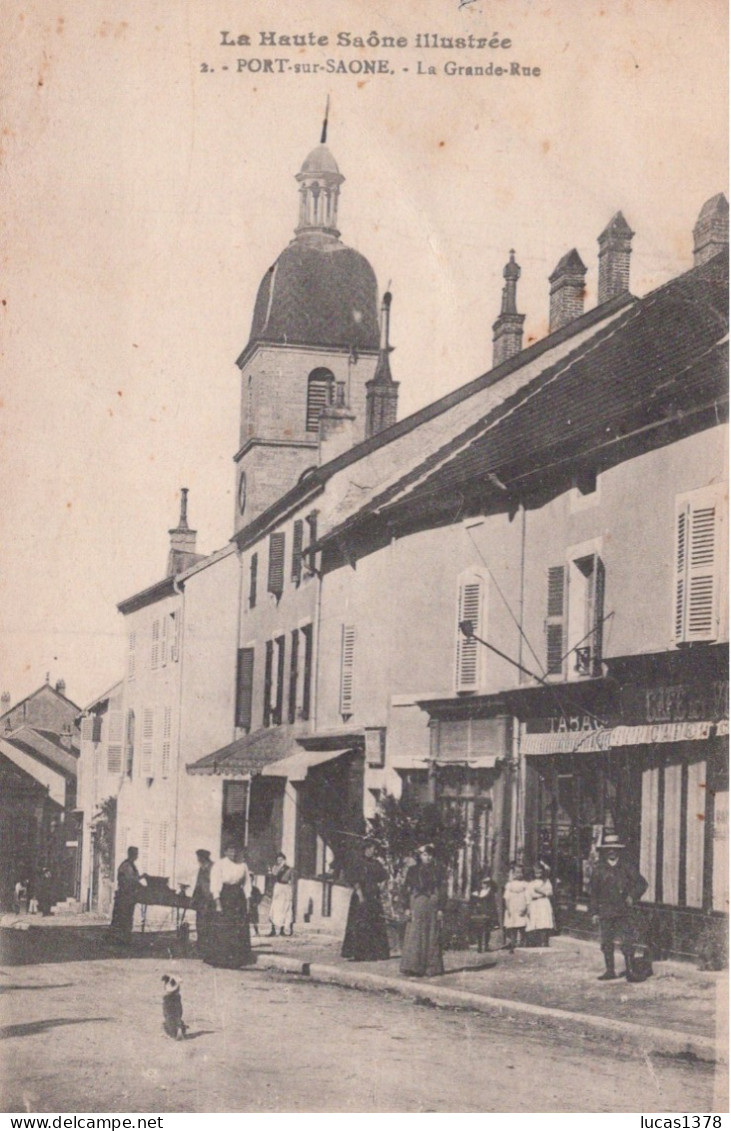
<point>661,732</point>
<point>676,703</point>
<point>583,742</point>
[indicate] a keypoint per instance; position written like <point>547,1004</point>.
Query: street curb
<point>649,1039</point>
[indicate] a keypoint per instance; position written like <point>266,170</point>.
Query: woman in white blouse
<point>229,942</point>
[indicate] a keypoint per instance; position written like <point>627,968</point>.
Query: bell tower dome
<point>314,327</point>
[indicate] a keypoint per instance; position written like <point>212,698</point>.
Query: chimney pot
<point>507,330</point>
<point>710,234</point>
<point>615,248</point>
<point>567,290</point>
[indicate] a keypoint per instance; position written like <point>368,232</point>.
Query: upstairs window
<point>699,565</point>
<point>471,591</point>
<point>347,664</point>
<point>244,687</point>
<point>320,384</point>
<point>275,580</point>
<point>253,570</point>
<point>575,615</point>
<point>297,542</point>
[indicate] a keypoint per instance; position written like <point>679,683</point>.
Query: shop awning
<point>609,738</point>
<point>295,767</point>
<point>479,762</point>
<point>247,755</point>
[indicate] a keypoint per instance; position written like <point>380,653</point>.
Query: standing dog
<point>172,1009</point>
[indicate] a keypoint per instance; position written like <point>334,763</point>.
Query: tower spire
<point>323,135</point>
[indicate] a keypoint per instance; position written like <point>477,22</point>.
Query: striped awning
<point>609,738</point>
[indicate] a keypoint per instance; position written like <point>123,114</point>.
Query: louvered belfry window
<point>469,608</point>
<point>347,661</point>
<point>698,556</point>
<point>319,394</point>
<point>555,634</point>
<point>275,581</point>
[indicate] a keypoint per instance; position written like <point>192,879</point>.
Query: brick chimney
<point>336,426</point>
<point>710,233</point>
<point>507,330</point>
<point>567,290</point>
<point>615,248</point>
<point>182,540</point>
<point>61,686</point>
<point>382,390</point>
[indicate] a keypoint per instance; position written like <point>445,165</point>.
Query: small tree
<point>398,828</point>
<point>103,825</point>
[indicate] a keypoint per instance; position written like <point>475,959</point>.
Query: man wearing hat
<point>202,900</point>
<point>614,889</point>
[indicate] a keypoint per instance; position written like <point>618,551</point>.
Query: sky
<point>147,189</point>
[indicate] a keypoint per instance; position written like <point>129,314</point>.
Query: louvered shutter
<point>297,541</point>
<point>244,687</point>
<point>164,642</point>
<point>279,696</point>
<point>96,729</point>
<point>175,634</point>
<point>145,847</point>
<point>697,561</point>
<point>597,615</point>
<point>162,848</point>
<point>275,583</point>
<point>268,682</point>
<point>253,570</point>
<point>131,655</point>
<point>155,654</point>
<point>346,669</point>
<point>293,674</point>
<point>307,674</point>
<point>87,728</point>
<point>469,606</point>
<point>130,742</point>
<point>148,734</point>
<point>167,719</point>
<point>555,620</point>
<point>114,742</point>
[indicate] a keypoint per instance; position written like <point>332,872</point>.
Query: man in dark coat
<point>129,888</point>
<point>614,889</point>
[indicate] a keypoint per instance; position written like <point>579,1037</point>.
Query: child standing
<point>516,906</point>
<point>540,910</point>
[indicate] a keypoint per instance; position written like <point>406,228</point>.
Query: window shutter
<point>319,384</point>
<point>145,847</point>
<point>167,719</point>
<point>297,541</point>
<point>279,698</point>
<point>275,583</point>
<point>244,687</point>
<point>698,551</point>
<point>310,563</point>
<point>293,674</point>
<point>131,656</point>
<point>162,848</point>
<point>268,682</point>
<point>253,569</point>
<point>96,728</point>
<point>346,669</point>
<point>87,728</point>
<point>130,742</point>
<point>555,620</point>
<point>469,607</point>
<point>114,742</point>
<point>148,733</point>
<point>597,615</point>
<point>164,642</point>
<point>307,675</point>
<point>175,634</point>
<point>155,654</point>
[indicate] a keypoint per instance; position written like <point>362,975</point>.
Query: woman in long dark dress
<point>202,901</point>
<point>229,942</point>
<point>366,938</point>
<point>422,953</point>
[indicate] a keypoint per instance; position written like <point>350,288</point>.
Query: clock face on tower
<point>242,492</point>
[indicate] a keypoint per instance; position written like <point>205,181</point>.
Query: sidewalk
<point>680,1011</point>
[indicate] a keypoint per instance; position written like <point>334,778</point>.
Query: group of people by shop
<point>226,902</point>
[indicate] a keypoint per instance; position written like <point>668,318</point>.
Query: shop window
<point>471,590</point>
<point>244,687</point>
<point>319,393</point>
<point>699,546</point>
